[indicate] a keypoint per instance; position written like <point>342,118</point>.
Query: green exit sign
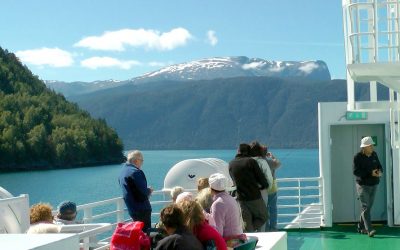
<point>356,115</point>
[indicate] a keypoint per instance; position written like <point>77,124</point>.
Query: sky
<point>82,40</point>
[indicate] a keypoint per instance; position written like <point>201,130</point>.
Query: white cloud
<point>308,67</point>
<point>54,57</point>
<point>148,39</point>
<point>157,64</point>
<point>212,38</point>
<point>107,62</point>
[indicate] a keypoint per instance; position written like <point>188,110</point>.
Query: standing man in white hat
<point>367,169</point>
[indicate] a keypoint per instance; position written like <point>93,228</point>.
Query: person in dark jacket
<point>249,180</point>
<point>367,169</point>
<point>179,237</point>
<point>134,189</point>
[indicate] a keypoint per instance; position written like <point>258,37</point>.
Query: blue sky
<point>81,40</point>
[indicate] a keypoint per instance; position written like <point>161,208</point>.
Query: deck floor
<point>343,237</point>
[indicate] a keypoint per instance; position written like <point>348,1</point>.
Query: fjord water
<point>90,184</point>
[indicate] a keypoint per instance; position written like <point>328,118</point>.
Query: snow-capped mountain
<point>227,67</point>
<point>207,69</point>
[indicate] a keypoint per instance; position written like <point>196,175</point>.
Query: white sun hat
<point>217,181</point>
<point>366,141</point>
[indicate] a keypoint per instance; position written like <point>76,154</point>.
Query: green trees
<point>40,129</point>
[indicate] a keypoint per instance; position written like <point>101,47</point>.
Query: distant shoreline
<point>11,169</point>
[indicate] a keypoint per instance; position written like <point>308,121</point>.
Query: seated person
<point>41,220</point>
<point>205,199</point>
<point>179,237</point>
<point>66,214</point>
<point>226,211</point>
<point>195,221</point>
<point>202,183</point>
<point>185,196</point>
<point>175,191</point>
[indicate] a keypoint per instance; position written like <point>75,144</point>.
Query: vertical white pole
<point>120,210</point>
<point>373,93</point>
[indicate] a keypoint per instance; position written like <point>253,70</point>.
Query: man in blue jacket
<point>134,189</point>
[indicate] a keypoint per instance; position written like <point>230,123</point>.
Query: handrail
<point>302,209</point>
<point>298,205</point>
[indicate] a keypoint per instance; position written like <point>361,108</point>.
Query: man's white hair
<point>134,155</point>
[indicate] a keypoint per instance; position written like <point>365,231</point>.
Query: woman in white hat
<point>226,211</point>
<point>367,169</point>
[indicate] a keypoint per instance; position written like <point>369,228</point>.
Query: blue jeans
<point>273,212</point>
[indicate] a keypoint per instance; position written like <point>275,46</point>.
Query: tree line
<point>41,129</point>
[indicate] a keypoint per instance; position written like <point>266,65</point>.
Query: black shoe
<point>372,233</point>
<point>362,231</point>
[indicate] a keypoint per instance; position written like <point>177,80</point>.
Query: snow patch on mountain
<point>308,67</point>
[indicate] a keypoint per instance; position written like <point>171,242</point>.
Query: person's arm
<point>260,177</point>
<point>140,190</point>
<point>263,163</point>
<point>273,162</point>
<point>379,163</point>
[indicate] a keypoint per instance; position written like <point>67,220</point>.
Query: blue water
<point>84,185</point>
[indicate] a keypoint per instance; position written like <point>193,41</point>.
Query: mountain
<point>241,66</point>
<point>39,129</point>
<point>218,113</point>
<point>208,69</point>
<point>75,88</point>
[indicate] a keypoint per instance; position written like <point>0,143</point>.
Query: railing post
<point>321,200</point>
<point>86,244</point>
<point>299,204</point>
<point>120,210</point>
<point>87,215</point>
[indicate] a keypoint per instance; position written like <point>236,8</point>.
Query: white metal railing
<point>294,194</point>
<point>372,33</point>
<point>113,211</point>
<point>300,202</point>
<point>299,205</point>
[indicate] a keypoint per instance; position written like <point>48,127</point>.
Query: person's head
<point>185,196</point>
<point>172,218</point>
<point>192,213</point>
<point>204,198</point>
<point>41,212</point>
<point>217,182</point>
<point>67,210</point>
<point>257,150</point>
<point>243,150</point>
<point>202,183</point>
<point>136,158</point>
<point>175,191</point>
<point>367,145</point>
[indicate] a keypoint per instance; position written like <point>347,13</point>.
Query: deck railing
<point>299,206</point>
<point>300,202</point>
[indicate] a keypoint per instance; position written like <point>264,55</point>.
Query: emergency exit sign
<point>356,115</point>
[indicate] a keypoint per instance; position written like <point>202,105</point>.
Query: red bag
<point>129,236</point>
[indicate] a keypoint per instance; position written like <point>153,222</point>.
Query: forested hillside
<point>40,129</point>
<point>218,113</point>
